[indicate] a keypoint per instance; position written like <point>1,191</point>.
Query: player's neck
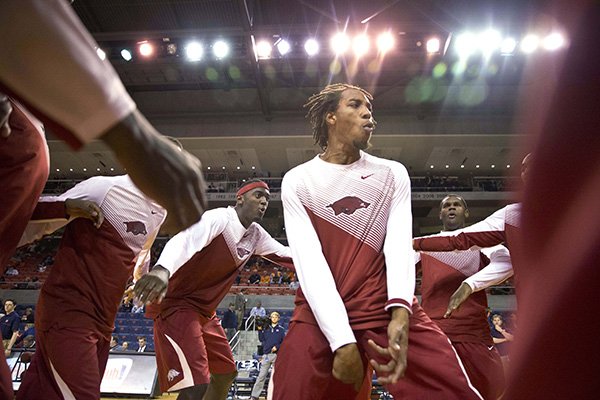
<point>339,153</point>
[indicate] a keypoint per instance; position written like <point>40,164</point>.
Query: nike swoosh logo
<point>366,176</point>
<point>490,348</point>
<point>153,212</point>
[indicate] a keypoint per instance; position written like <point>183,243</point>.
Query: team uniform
<point>49,49</point>
<point>78,302</point>
<point>24,166</point>
<point>349,227</point>
<point>468,328</point>
<point>204,261</point>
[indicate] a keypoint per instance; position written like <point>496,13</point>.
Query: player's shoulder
<point>296,174</point>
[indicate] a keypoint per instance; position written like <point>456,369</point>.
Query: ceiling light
<point>360,45</point>
<point>465,44</point>
<point>101,53</point>
<point>146,49</point>
<point>431,166</point>
<point>220,49</point>
<point>126,54</point>
<point>477,166</point>
<point>508,46</point>
<point>283,46</point>
<point>194,51</point>
<point>489,41</point>
<point>447,166</point>
<point>385,42</point>
<point>553,41</point>
<point>340,43</point>
<point>433,45</point>
<point>263,49</point>
<point>529,44</point>
<point>311,46</point>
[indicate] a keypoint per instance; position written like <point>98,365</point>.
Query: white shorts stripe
<point>62,386</point>
<point>188,379</point>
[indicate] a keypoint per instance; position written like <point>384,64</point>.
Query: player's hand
<point>7,352</point>
<point>5,110</point>
<point>396,350</point>
<point>458,297</point>
<point>348,366</point>
<point>76,208</point>
<point>128,294</point>
<point>152,286</point>
<point>170,176</point>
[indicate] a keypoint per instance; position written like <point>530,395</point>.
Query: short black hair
<point>462,200</point>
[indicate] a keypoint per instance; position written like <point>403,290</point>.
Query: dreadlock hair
<point>324,102</point>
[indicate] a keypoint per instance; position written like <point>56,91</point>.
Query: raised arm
<point>487,233</point>
<point>48,61</point>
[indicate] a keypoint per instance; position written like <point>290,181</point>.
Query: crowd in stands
<point>17,324</point>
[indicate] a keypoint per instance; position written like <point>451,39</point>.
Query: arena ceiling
<point>242,111</point>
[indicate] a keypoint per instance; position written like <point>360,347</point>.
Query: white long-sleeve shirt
<point>349,228</point>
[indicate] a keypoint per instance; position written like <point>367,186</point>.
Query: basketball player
<point>199,266</point>
<point>78,302</point>
<point>48,62</point>
<point>348,221</point>
<point>468,329</point>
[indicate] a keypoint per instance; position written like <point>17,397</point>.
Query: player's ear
<point>330,118</point>
<point>467,213</point>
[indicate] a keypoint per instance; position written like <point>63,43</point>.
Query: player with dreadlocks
<point>349,226</point>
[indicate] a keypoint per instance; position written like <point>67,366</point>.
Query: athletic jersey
<point>443,273</point>
<point>48,61</point>
<point>24,164</point>
<point>349,228</point>
<point>205,259</point>
<point>92,265</point>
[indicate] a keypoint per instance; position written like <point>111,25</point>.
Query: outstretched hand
<point>396,350</point>
<point>77,208</point>
<point>170,176</point>
<point>152,287</point>
<point>458,297</point>
<point>348,366</point>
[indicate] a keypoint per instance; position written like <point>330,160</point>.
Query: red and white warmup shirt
<point>49,63</point>
<point>350,230</point>
<point>443,273</point>
<point>92,265</point>
<point>205,259</point>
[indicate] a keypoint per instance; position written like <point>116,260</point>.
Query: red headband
<point>250,186</point>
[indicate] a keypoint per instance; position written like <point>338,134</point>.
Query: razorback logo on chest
<point>135,227</point>
<point>348,205</point>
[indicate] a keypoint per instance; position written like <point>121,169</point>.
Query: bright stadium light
<point>433,45</point>
<point>263,49</point>
<point>220,49</point>
<point>126,54</point>
<point>553,41</point>
<point>530,43</point>
<point>146,49</point>
<point>508,46</point>
<point>101,53</point>
<point>465,44</point>
<point>311,46</point>
<point>283,46</point>
<point>340,43</point>
<point>194,51</point>
<point>360,45</point>
<point>489,41</point>
<point>385,42</point>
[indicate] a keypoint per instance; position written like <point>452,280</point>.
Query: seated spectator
<point>12,271</point>
<point>125,346</point>
<point>294,285</point>
<point>265,279</point>
<point>138,307</point>
<point>276,278</point>
<point>287,277</point>
<point>28,316</point>
<point>28,332</point>
<point>254,279</point>
<point>142,345</point>
<point>114,344</point>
